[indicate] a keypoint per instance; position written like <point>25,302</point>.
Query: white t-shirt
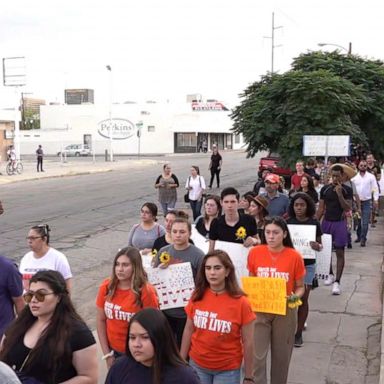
<point>197,184</point>
<point>53,260</point>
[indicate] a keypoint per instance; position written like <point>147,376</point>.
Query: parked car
<point>76,150</point>
<point>272,161</point>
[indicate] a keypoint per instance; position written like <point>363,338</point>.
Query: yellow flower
<point>154,252</point>
<point>241,233</point>
<point>294,301</point>
<point>165,257</point>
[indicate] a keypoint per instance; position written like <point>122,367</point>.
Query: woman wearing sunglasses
<point>49,342</point>
<point>43,257</point>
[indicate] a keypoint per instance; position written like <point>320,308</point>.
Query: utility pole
<point>273,46</point>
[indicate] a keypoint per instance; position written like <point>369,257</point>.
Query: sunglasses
<point>40,295</point>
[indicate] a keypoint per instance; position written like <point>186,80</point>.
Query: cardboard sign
<point>174,285</point>
<point>239,256</point>
<point>266,294</point>
<point>301,235</point>
<point>323,258</point>
<point>199,240</point>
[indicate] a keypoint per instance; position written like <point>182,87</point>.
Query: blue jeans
<point>196,208</point>
<point>362,228</point>
<point>168,207</point>
<point>209,376</point>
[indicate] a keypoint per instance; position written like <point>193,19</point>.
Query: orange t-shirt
<point>120,309</point>
<point>288,264</point>
<point>216,339</point>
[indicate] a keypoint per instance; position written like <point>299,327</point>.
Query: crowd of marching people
<point>217,337</point>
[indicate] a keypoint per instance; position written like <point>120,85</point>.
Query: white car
<point>76,150</point>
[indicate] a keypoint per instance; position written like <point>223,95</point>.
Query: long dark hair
<point>231,285</point>
<point>216,199</point>
<point>280,222</point>
<point>311,185</point>
<point>162,339</point>
<point>55,338</point>
<point>311,208</point>
<point>139,276</point>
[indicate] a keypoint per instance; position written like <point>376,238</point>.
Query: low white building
<point>148,128</point>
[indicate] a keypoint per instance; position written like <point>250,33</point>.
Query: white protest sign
<point>301,235</point>
<point>199,240</point>
<point>239,256</point>
<point>174,285</point>
<point>326,145</point>
<point>146,260</point>
<point>323,258</point>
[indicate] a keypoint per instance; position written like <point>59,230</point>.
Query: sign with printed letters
<point>266,294</point>
<point>323,258</point>
<point>301,236</point>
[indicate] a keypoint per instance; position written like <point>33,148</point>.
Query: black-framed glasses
<point>39,294</point>
<point>33,237</point>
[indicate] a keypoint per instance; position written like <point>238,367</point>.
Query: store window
<point>151,128</point>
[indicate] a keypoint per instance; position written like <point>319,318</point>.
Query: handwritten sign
<point>174,285</point>
<point>323,258</point>
<point>199,240</point>
<point>266,294</point>
<point>239,256</point>
<point>301,235</point>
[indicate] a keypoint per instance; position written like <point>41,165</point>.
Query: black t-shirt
<point>80,338</point>
<point>309,221</point>
<point>312,193</point>
<point>200,227</point>
<point>128,371</point>
<point>215,159</point>
<point>333,209</point>
<point>221,231</point>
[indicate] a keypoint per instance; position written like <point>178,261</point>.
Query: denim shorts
<point>209,376</point>
<point>309,273</point>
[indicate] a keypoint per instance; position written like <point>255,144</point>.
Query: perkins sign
<point>122,129</point>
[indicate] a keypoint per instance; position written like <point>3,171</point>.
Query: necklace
<point>217,291</point>
<point>275,255</point>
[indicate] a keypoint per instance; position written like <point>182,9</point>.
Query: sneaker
<point>349,246</point>
<point>357,240</point>
<point>298,341</point>
<point>336,289</point>
<point>362,243</point>
<point>329,280</point>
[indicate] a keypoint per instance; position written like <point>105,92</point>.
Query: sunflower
<point>154,253</point>
<point>165,257</point>
<point>241,233</point>
<point>294,301</point>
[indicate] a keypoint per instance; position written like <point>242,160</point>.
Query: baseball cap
<point>273,178</point>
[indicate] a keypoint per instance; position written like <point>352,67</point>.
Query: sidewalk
<point>342,341</point>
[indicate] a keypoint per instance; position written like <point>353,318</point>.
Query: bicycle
<point>13,168</point>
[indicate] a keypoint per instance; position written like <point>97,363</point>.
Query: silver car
<point>76,150</point>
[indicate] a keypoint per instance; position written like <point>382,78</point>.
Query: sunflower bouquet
<point>294,301</point>
<point>165,258</point>
<point>241,233</point>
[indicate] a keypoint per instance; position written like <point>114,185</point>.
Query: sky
<point>164,50</point>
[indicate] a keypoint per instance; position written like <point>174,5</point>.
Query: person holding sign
<point>219,328</point>
<point>180,251</point>
<point>301,212</point>
<point>232,226</point>
<point>119,298</point>
<point>276,259</point>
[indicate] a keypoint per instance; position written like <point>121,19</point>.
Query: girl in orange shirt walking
<point>276,258</point>
<point>219,327</point>
<point>119,298</point>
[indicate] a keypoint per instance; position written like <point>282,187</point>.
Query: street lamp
<point>349,50</point>
<point>109,68</point>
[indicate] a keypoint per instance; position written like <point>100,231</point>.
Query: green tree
<point>315,97</point>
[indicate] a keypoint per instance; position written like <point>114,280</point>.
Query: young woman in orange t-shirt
<point>276,258</point>
<point>219,327</point>
<point>119,298</point>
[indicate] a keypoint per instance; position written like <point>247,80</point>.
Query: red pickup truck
<point>272,162</point>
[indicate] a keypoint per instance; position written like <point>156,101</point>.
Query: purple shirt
<point>11,285</point>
